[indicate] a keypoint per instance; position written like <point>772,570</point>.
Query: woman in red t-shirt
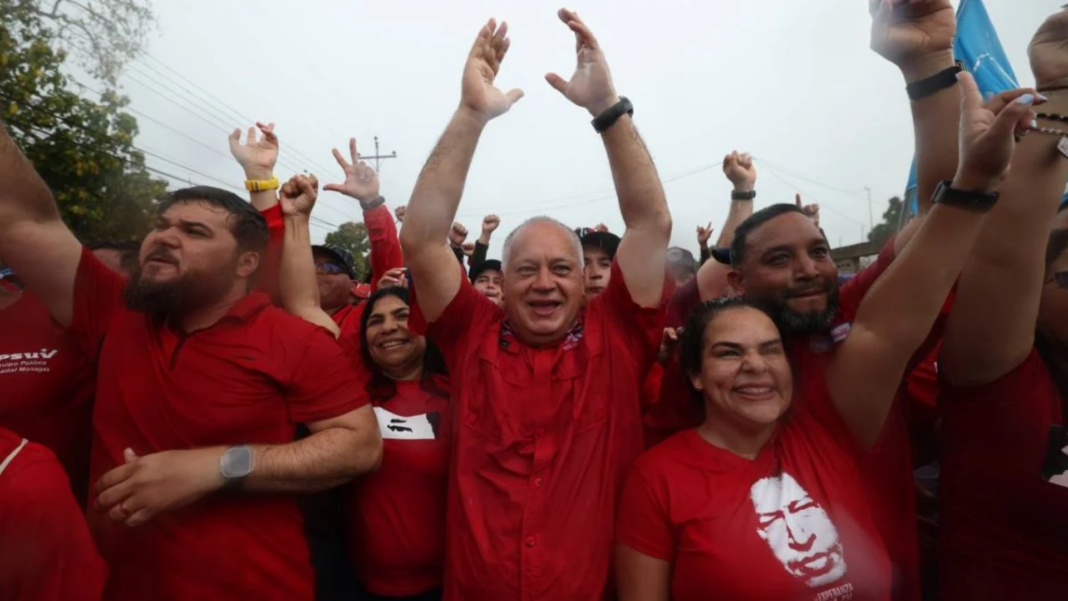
<point>764,500</point>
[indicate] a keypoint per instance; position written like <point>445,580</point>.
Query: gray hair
<point>506,254</point>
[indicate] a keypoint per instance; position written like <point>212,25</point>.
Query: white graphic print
<point>20,363</point>
<point>798,530</point>
<point>396,427</point>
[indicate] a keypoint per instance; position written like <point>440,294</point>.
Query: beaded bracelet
<point>1053,117</point>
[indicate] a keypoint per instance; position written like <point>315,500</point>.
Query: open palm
<point>256,153</point>
<point>478,92</point>
<point>591,85</point>
<point>361,181</point>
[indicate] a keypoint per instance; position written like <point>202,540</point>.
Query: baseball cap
<point>681,259</point>
<point>722,254</point>
<point>487,265</point>
<point>606,241</point>
<point>340,255</point>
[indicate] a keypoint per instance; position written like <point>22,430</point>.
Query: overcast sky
<point>791,81</point>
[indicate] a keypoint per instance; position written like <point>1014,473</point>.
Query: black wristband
<point>736,195</point>
<point>976,201</point>
<point>608,118</point>
<point>918,90</point>
<point>374,203</point>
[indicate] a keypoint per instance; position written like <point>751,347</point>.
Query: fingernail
<point>1026,100</point>
<point>1042,98</point>
<point>1034,124</point>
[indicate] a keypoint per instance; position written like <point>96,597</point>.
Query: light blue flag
<point>978,47</point>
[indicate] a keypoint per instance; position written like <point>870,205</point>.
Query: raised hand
<point>1049,52</point>
<point>739,169</point>
<point>988,134</point>
<point>591,85</point>
<point>906,32</point>
<point>400,212</point>
<point>490,223</point>
<point>457,234</point>
<point>668,343</point>
<point>812,211</point>
<point>704,234</point>
<point>600,227</point>
<point>478,94</point>
<point>297,196</point>
<point>361,181</point>
<point>468,248</point>
<point>257,156</point>
<point>394,278</point>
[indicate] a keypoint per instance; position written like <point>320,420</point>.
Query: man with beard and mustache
<point>200,386</point>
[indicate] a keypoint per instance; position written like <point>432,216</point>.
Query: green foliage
<point>353,237</point>
<point>891,218</point>
<point>83,150</point>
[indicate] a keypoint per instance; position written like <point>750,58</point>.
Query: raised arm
<point>298,287</point>
<point>897,313</point>
<point>33,238</point>
<point>740,171</point>
<point>257,157</point>
<point>643,249</point>
<point>438,190</point>
<point>917,36</point>
<point>490,223</point>
<point>992,327</point>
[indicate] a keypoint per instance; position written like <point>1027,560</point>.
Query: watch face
<point>237,462</point>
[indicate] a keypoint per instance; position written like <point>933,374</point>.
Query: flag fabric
<point>977,46</point>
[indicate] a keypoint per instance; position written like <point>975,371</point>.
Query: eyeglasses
<point>1061,279</point>
<point>330,269</point>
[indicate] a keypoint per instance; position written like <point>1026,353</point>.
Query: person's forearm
<point>740,211</point>
<point>298,287</point>
<point>385,245</point>
<point>266,199</point>
<point>24,195</point>
<point>480,254</point>
<point>641,196</point>
<point>440,186</point>
<point>319,462</point>
<point>936,122</point>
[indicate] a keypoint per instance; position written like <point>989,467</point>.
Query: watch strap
<point>607,119</point>
<point>918,90</point>
<point>945,194</point>
<point>261,185</point>
<point>736,195</point>
<point>374,203</point>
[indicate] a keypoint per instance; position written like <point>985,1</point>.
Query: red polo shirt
<point>1004,530</point>
<point>46,553</point>
<point>544,437</point>
<point>250,378</point>
<point>47,383</point>
<point>396,515</point>
<point>792,524</point>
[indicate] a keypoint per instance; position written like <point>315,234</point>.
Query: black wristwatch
<point>374,203</point>
<point>736,195</point>
<point>918,90</point>
<point>607,119</point>
<point>235,465</point>
<point>976,201</point>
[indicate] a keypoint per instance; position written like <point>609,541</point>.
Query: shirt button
<point>537,482</point>
<point>530,541</point>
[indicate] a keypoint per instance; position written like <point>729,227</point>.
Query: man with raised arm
<point>200,384</point>
<point>546,392</point>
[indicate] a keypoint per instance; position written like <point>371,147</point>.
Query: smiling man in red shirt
<point>200,385</point>
<point>545,392</point>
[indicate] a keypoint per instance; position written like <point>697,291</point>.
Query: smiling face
<point>744,375</point>
<point>489,283</point>
<point>543,283</point>
<point>597,270</point>
<point>788,268</point>
<point>393,348</point>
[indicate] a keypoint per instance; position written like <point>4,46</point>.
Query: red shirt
<point>1004,530</point>
<point>793,524</point>
<point>250,378</point>
<point>396,516</point>
<point>544,437</point>
<point>47,383</point>
<point>348,320</point>
<point>46,553</point>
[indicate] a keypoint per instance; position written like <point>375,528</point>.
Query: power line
<point>822,204</point>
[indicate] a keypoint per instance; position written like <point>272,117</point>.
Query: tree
<point>891,218</point>
<point>83,150</point>
<point>352,236</point>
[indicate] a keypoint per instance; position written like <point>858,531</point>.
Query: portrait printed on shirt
<point>1055,467</point>
<point>415,427</point>
<point>798,530</point>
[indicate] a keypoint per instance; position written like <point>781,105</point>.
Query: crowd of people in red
<point>210,414</point>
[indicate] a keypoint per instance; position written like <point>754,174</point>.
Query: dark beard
<point>178,297</point>
<point>794,323</point>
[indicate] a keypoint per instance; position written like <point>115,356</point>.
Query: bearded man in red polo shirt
<point>546,392</point>
<point>200,384</point>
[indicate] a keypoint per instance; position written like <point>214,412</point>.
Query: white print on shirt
<point>838,593</point>
<point>798,530</point>
<point>1061,480</point>
<point>20,363</point>
<point>396,427</point>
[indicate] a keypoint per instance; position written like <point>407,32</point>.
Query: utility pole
<point>378,156</point>
<point>871,214</point>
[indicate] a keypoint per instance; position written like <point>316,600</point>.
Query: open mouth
<point>755,392</point>
<point>544,308</point>
<point>393,344</point>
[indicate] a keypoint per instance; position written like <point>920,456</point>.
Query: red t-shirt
<point>46,553</point>
<point>544,437</point>
<point>248,379</point>
<point>793,524</point>
<point>1004,530</point>
<point>47,383</point>
<point>396,516</point>
<point>348,320</point>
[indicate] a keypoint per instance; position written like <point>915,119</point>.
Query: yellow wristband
<point>261,185</point>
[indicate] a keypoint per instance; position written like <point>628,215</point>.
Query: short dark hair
<point>246,224</point>
<point>741,234</point>
<point>691,343</point>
